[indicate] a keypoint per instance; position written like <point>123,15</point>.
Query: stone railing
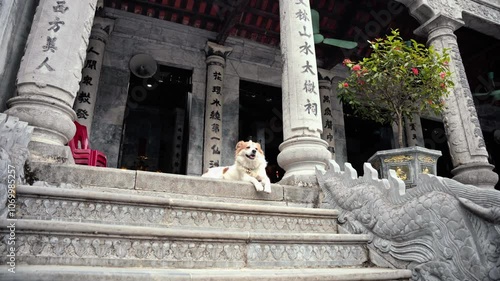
<point>14,138</point>
<point>440,229</point>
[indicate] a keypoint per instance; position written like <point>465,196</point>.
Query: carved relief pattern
<point>461,101</point>
<point>446,7</point>
<point>94,211</point>
<point>14,138</point>
<point>76,250</point>
<point>398,159</point>
<point>346,254</point>
<point>480,10</point>
<point>455,8</point>
<point>427,159</point>
<point>123,248</point>
<point>441,229</point>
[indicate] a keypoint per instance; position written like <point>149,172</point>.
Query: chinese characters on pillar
<point>306,49</point>
<point>54,26</point>
<point>216,61</point>
<point>86,95</point>
<point>90,73</point>
<point>326,109</point>
<point>214,106</point>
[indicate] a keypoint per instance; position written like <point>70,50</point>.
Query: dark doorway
<point>261,121</point>
<point>435,138</point>
<point>155,128</point>
<point>492,140</point>
<point>364,138</point>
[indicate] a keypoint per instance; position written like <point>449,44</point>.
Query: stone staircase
<point>86,223</point>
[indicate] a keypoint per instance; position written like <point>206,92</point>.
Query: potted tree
<point>399,80</point>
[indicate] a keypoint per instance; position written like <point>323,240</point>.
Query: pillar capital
<point>439,25</point>
<point>325,75</point>
<point>101,29</point>
<point>214,49</point>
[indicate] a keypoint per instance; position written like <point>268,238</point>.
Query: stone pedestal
<point>49,74</point>
<point>87,95</point>
<point>302,149</point>
<point>408,162</point>
<point>465,138</point>
<point>216,61</point>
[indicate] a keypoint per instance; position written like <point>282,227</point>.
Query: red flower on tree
<point>357,67</point>
<point>346,62</point>
<point>396,81</point>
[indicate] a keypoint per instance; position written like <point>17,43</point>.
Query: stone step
<point>51,203</point>
<point>90,244</point>
<point>66,273</point>
<point>171,185</point>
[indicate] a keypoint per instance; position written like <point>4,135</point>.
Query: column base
<point>478,174</point>
<point>299,157</point>
<point>50,153</point>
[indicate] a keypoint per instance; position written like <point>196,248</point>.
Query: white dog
<point>249,165</point>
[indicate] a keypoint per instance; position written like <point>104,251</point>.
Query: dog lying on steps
<point>249,165</point>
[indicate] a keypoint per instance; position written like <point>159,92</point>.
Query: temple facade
<point>217,79</point>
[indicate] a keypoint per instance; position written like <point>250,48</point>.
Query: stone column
<point>339,74</point>
<point>49,74</point>
<point>216,61</point>
<point>325,89</point>
<point>414,134</point>
<point>302,149</point>
<point>87,95</point>
<point>465,138</point>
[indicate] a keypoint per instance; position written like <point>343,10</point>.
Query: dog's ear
<point>259,148</point>
<point>240,144</point>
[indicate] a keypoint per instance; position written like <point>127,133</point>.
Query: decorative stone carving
<point>14,138</point>
<point>441,229</point>
<point>31,208</point>
<point>72,250</point>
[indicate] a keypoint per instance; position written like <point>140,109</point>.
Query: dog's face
<point>250,150</point>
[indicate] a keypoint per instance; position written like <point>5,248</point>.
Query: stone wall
<point>15,24</point>
<point>182,47</point>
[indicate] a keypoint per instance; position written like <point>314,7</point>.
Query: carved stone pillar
<point>465,138</point>
<point>49,74</point>
<point>302,149</point>
<point>325,89</point>
<point>216,61</point>
<point>87,95</point>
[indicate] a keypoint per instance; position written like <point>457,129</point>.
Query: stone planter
<point>408,163</point>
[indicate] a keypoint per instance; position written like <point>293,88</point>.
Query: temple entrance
<point>435,138</point>
<point>261,121</point>
<point>364,138</point>
<point>155,133</point>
